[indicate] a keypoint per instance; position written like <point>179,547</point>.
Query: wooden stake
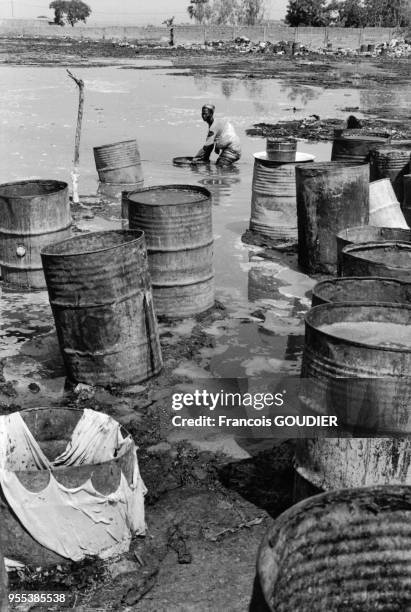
<point>75,172</point>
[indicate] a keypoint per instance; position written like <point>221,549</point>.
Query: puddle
<point>162,111</point>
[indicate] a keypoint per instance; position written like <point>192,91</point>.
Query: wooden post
<point>75,171</point>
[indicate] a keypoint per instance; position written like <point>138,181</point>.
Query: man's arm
<point>204,153</point>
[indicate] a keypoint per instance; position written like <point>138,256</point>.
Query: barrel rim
<point>306,158</point>
<point>331,165</point>
<point>48,250</point>
<point>388,149</point>
<point>124,432</point>
<point>60,186</point>
<point>343,233</point>
<point>180,187</point>
<point>336,305</point>
<point>359,246</point>
<point>347,279</point>
<point>113,144</point>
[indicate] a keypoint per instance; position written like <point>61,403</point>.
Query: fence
<point>311,37</point>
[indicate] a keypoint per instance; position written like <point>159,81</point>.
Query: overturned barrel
<point>385,209</point>
<point>344,550</point>
<point>100,294</point>
<point>119,162</point>
<point>354,148</point>
<point>177,223</point>
<point>386,259</point>
<point>361,289</point>
<point>330,197</point>
<point>273,202</point>
<point>369,233</point>
<point>392,163</point>
<point>33,214</point>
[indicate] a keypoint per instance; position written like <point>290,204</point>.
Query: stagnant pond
<point>160,106</point>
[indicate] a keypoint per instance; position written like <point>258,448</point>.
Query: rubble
<point>395,48</point>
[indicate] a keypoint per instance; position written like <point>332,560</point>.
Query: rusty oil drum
<point>344,550</point>
<point>52,428</point>
<point>355,148</point>
<point>119,163</point>
<point>100,294</point>
<point>361,289</point>
<point>177,223</point>
<point>392,163</point>
<point>33,214</point>
<point>369,233</point>
<point>331,196</point>
<point>366,384</point>
<point>273,202</point>
<point>387,259</point>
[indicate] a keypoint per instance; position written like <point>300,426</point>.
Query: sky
<point>127,12</point>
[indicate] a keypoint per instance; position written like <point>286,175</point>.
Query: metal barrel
<point>369,233</point>
<point>273,202</point>
<point>100,294</point>
<point>363,48</point>
<point>119,162</point>
<point>33,214</point>
<point>371,48</point>
<point>52,428</point>
<point>177,222</point>
<point>330,197</point>
<point>386,259</point>
<point>347,462</point>
<point>361,289</point>
<point>385,209</point>
<point>354,148</point>
<point>344,550</point>
<point>357,365</point>
<point>406,204</point>
<point>391,163</point>
<point>281,150</point>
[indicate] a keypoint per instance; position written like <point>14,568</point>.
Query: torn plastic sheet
<point>79,521</point>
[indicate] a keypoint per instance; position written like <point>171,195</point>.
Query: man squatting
<point>222,135</point>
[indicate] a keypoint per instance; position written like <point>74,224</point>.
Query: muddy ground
<point>208,506</point>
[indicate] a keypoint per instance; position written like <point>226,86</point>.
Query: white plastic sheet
<point>73,522</point>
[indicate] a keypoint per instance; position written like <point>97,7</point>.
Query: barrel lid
<point>299,157</point>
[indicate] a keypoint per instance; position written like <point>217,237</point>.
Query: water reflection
<point>218,180</point>
<point>386,100</point>
<point>301,93</point>
<point>229,86</point>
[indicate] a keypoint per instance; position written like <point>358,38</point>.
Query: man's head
<point>207,112</point>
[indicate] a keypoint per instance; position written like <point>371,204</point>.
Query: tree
<point>199,10</point>
<point>252,11</point>
<point>306,13</point>
<point>351,13</point>
<point>73,10</point>
<point>225,12</point>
